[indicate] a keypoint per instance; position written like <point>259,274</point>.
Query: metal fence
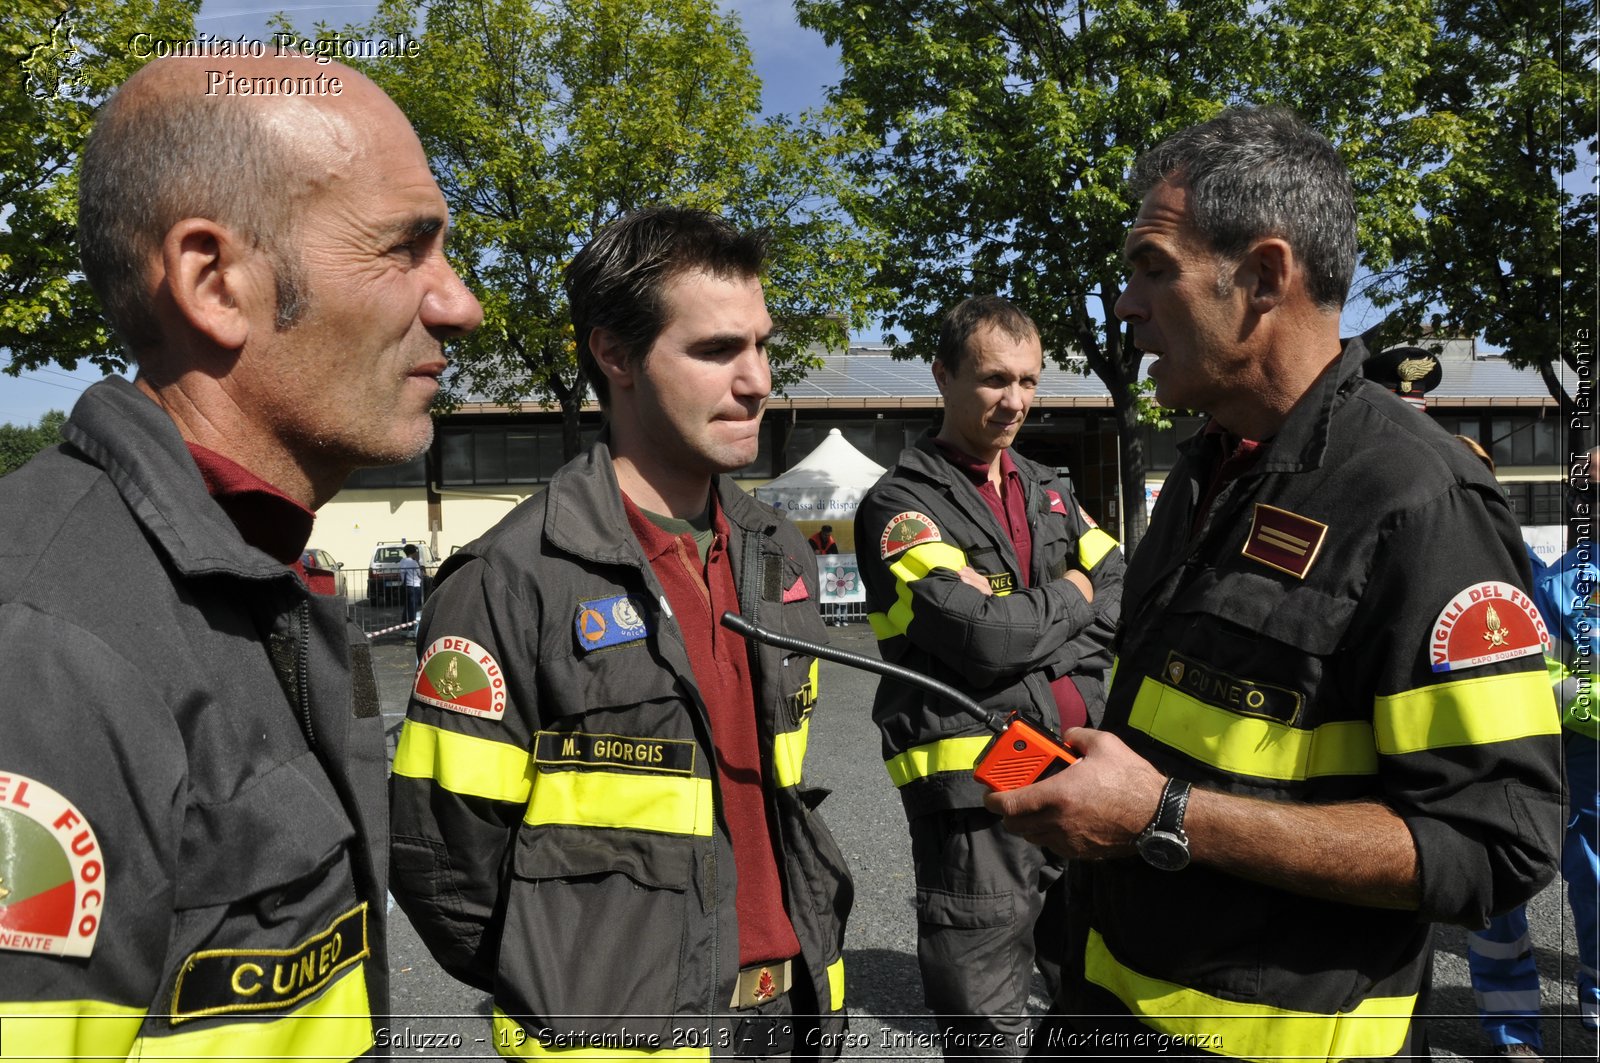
<point>374,600</point>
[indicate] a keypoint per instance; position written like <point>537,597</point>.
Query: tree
<point>1506,249</point>
<point>1002,133</point>
<point>18,443</point>
<point>62,60</point>
<point>545,120</point>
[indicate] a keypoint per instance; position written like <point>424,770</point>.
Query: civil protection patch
<point>1285,541</point>
<point>458,675</point>
<point>224,981</point>
<point>605,622</point>
<point>53,882</point>
<point>1486,623</point>
<point>906,530</point>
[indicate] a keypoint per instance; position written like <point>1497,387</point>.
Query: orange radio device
<point>1020,752</point>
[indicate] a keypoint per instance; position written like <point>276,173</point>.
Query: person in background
<point>411,583</point>
<point>192,828</point>
<point>823,541</point>
<point>601,811</point>
<point>1330,721</point>
<point>982,571</point>
<point>1505,980</point>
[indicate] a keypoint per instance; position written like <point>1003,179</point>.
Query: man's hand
<point>970,577</point>
<point>1092,810</point>
<point>1080,581</point>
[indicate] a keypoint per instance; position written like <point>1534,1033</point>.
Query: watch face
<point>1164,851</point>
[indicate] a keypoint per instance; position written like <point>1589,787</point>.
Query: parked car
<point>324,575</point>
<point>383,576</point>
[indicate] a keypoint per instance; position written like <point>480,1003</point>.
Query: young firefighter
<point>600,811</point>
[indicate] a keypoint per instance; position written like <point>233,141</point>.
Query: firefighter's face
<point>699,393</point>
<point>1180,305</point>
<point>988,396</point>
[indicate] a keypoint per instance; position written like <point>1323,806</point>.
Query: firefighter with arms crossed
<point>1330,723</point>
<point>192,828</point>
<point>982,571</point>
<point>599,803</point>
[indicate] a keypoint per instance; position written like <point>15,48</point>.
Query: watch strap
<point>1171,808</point>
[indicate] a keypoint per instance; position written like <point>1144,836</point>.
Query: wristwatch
<point>1163,843</point>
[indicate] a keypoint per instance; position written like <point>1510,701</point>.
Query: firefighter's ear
<point>1266,272</point>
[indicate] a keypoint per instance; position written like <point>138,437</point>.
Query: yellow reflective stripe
<point>836,985</point>
<point>947,754</point>
<point>668,804</point>
<point>881,627</point>
<point>1094,545</point>
<point>1375,1027</point>
<point>464,764</point>
<point>336,1025</point>
<point>789,754</point>
<point>66,1029</point>
<point>1250,745</point>
<point>1467,712</point>
<point>510,1039</point>
<point>911,566</point>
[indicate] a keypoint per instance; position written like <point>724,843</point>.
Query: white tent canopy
<point>826,484</point>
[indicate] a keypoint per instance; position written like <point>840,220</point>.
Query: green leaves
<point>1504,239</point>
<point>18,443</point>
<point>61,60</point>
<point>544,121</point>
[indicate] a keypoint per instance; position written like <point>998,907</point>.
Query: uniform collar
<point>268,519</point>
<point>585,515</point>
<point>139,448</point>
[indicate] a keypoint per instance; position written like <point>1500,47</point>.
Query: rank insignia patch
<point>605,622</point>
<point>1056,504</point>
<point>459,675</point>
<point>52,875</point>
<point>1485,623</point>
<point>1285,541</point>
<point>906,530</point>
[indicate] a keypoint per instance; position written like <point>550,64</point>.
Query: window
<point>1537,503</point>
<point>486,455</point>
<point>1523,440</point>
<point>411,473</point>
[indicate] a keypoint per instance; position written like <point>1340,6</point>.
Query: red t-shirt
<point>721,664</point>
<point>267,519</point>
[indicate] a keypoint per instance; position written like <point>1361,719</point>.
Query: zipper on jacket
<point>302,668</point>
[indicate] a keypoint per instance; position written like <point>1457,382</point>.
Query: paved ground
<point>888,1020</point>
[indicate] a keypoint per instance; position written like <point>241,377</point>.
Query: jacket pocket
<point>286,826</point>
<point>267,911</point>
<point>599,931</point>
<point>1257,607</point>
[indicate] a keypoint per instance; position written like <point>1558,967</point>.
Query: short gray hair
<point>964,319</point>
<point>151,163</point>
<point>1254,172</point>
